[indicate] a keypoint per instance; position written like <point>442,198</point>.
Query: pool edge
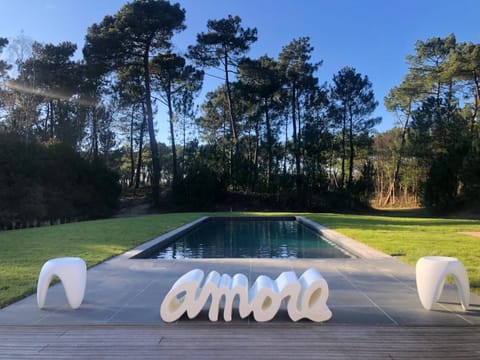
<point>353,246</point>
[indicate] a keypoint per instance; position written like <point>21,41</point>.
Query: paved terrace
<point>375,306</point>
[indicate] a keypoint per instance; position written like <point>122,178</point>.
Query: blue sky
<point>373,36</point>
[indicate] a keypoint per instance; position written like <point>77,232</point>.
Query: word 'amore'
<point>305,297</point>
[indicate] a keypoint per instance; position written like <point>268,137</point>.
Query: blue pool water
<point>249,239</point>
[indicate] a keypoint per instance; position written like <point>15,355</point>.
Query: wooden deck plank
<point>238,342</point>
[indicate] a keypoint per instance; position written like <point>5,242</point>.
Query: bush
<point>364,187</point>
<point>439,191</point>
<point>470,177</point>
<point>43,183</point>
<point>200,188</point>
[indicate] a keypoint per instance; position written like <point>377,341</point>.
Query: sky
<point>372,36</point>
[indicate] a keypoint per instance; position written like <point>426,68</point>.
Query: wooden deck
<point>238,341</point>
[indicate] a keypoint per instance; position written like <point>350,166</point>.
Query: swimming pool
<point>246,237</point>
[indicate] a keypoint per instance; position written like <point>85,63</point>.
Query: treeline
<point>273,130</point>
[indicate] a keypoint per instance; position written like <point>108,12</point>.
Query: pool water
<point>250,239</point>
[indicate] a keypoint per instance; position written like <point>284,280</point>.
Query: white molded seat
<point>72,272</point>
<point>430,275</point>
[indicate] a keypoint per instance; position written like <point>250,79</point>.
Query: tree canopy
<point>273,134</point>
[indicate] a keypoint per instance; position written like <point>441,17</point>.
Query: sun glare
<point>14,85</point>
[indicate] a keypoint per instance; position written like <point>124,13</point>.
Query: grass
<point>23,252</point>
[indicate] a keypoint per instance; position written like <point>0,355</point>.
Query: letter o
<point>265,300</point>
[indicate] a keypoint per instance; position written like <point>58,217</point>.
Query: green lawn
<point>23,252</point>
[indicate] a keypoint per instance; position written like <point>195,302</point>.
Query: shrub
<point>200,188</point>
<point>49,182</point>
<point>439,191</point>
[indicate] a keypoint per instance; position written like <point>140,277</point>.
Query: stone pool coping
<point>352,246</point>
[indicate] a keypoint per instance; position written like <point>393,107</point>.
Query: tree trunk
<point>184,133</point>
<point>396,173</point>
<point>299,132</point>
<point>295,136</point>
<point>229,101</point>
<point>269,144</point>
<point>172,135</point>
<point>155,183</point>
<point>332,174</point>
<point>227,164</point>
<point>255,161</point>
<point>344,148</point>
<point>52,125</point>
<point>140,148</point>
<point>352,153</point>
<point>476,100</point>
<point>380,190</point>
<point>285,149</point>
<point>233,127</point>
<point>132,154</point>
<point>250,154</point>
<point>45,127</point>
<point>94,134</point>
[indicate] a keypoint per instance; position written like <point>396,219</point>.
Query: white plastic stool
<point>431,272</point>
<point>72,272</point>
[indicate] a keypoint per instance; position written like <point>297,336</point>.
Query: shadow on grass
<point>410,213</point>
<point>391,220</point>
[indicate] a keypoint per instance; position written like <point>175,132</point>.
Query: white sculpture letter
<point>305,297</point>
<point>181,297</point>
<point>314,296</point>
<point>264,300</point>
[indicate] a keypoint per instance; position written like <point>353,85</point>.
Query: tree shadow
<point>390,220</point>
<point>413,213</point>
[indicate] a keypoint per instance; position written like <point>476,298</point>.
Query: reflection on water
<point>250,239</point>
